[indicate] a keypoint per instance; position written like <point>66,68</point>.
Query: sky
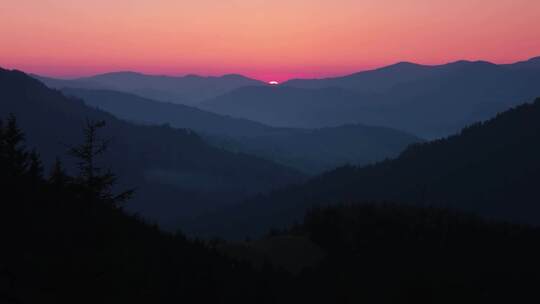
<point>264,39</point>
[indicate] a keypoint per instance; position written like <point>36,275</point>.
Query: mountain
<point>429,101</point>
<point>316,150</point>
<point>311,151</point>
<point>177,172</point>
<point>401,254</point>
<point>283,106</point>
<point>370,81</point>
<point>490,168</point>
<point>533,63</point>
<point>381,79</point>
<point>140,109</point>
<point>190,89</point>
<point>66,237</point>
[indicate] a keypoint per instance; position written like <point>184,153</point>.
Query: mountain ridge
<point>178,172</point>
<point>188,89</point>
<point>489,168</point>
<point>429,102</point>
<point>311,151</point>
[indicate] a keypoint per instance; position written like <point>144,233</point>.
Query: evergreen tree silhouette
<point>12,145</point>
<point>95,183</point>
<point>35,168</point>
<point>58,176</point>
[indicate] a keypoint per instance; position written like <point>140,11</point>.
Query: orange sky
<point>265,39</point>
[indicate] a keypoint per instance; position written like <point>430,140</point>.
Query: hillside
<point>397,254</point>
<point>316,150</point>
<point>139,109</point>
<point>489,169</point>
<point>66,237</point>
<point>63,240</point>
<point>311,151</point>
<point>282,106</point>
<point>177,172</point>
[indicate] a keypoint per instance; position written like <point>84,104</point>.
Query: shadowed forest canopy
<point>63,240</point>
<point>489,168</point>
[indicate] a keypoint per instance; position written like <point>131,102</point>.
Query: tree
<point>35,168</point>
<point>58,176</point>
<point>94,182</point>
<point>13,151</point>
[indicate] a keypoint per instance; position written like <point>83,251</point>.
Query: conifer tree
<point>58,176</point>
<point>95,183</point>
<point>16,157</point>
<point>35,167</point>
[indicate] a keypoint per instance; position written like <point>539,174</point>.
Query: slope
<point>490,168</point>
<point>311,151</point>
<point>178,173</point>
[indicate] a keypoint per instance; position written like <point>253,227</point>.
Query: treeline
<point>66,239</point>
<point>490,168</point>
<point>387,253</point>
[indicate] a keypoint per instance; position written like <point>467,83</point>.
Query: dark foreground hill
<point>66,239</point>
<point>311,151</point>
<point>489,168</point>
<point>396,254</point>
<point>177,172</point>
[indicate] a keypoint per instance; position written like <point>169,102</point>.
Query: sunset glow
<point>268,40</point>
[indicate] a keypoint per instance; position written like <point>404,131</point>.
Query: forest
<point>67,238</point>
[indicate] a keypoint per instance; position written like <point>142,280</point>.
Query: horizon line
<point>134,71</point>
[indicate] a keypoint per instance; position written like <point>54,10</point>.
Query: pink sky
<point>264,39</point>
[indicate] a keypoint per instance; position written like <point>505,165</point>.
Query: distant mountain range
<point>176,171</point>
<point>311,151</point>
<point>385,78</point>
<point>430,101</point>
<point>491,169</point>
<point>283,106</point>
<point>189,89</point>
<point>316,150</point>
<point>144,110</point>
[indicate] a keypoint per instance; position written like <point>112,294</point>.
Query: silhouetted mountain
<point>533,63</point>
<point>283,106</point>
<point>375,80</point>
<point>189,89</point>
<point>134,108</point>
<point>382,79</point>
<point>55,83</point>
<point>177,172</point>
<point>490,168</point>
<point>66,237</point>
<point>396,254</point>
<point>64,240</point>
<point>309,150</point>
<point>430,101</point>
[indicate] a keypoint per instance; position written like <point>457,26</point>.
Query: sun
<point>273,82</point>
